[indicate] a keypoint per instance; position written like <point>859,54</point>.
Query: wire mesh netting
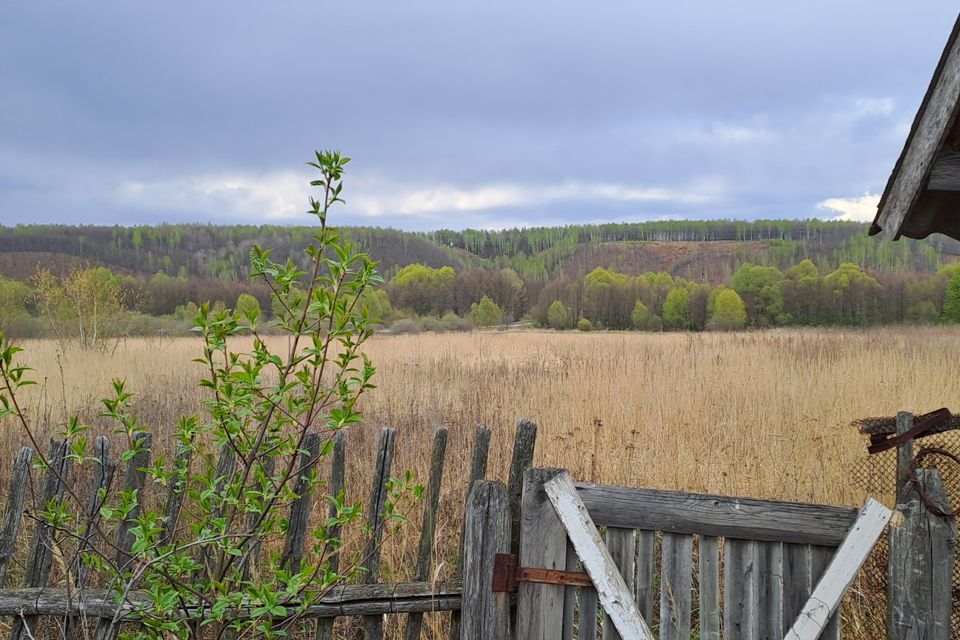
<point>876,475</point>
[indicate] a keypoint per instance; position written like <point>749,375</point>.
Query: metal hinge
<point>507,572</point>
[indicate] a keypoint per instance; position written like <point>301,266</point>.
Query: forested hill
<point>678,275</point>
<point>703,250</point>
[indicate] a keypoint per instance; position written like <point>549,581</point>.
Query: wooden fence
<point>692,565</point>
<point>700,566</point>
<point>68,607</point>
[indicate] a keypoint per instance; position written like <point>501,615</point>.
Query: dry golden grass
<point>762,414</point>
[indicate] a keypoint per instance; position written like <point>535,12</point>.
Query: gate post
<point>484,613</point>
<point>543,544</point>
<point>920,562</point>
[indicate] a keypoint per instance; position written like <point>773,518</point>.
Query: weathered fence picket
<point>428,526</point>
<point>14,513</point>
<point>740,604</point>
<point>485,613</point>
<point>797,582</point>
<point>41,549</point>
<point>336,486</point>
<point>373,625</point>
<point>645,572</point>
<point>136,477</point>
<point>175,494</point>
<point>543,544</point>
<point>478,471</point>
<point>103,470</point>
<point>108,627</point>
<point>523,447</point>
<point>677,586</point>
<point>921,564</point>
<point>709,588</point>
<point>570,595</point>
<point>300,508</point>
<point>621,545</point>
<point>770,589</point>
<point>819,560</point>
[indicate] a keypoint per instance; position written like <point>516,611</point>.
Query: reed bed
<point>762,414</point>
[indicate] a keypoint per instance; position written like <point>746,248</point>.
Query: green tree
<point>376,302</point>
<point>558,316</point>
<point>802,293</point>
<point>584,325</point>
<point>486,313</point>
<point>424,290</point>
<point>643,319</point>
<point>15,319</point>
<point>951,306</point>
<point>608,298</point>
<point>761,289</point>
<point>87,306</point>
<point>729,311</point>
<point>856,294</point>
<point>676,309</point>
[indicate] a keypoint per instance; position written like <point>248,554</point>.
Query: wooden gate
<point>747,566</point>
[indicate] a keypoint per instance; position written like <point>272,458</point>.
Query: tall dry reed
<point>762,414</point>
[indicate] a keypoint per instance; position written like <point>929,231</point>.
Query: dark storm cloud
<point>487,115</point>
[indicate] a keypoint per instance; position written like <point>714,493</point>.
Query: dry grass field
<point>762,414</point>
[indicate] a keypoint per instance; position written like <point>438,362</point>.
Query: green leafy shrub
<point>405,325</point>
<point>558,315</point>
<point>641,318</point>
<point>486,313</point>
<point>452,322</point>
<point>260,411</point>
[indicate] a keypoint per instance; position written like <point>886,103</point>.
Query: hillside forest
<point>95,284</point>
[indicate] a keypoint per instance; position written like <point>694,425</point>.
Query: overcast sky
<point>489,115</point>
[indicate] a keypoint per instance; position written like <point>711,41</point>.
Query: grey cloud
<point>785,105</point>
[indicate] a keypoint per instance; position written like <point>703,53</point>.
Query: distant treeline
<point>768,297</point>
<point>594,276</point>
<point>536,252</point>
<point>540,253</point>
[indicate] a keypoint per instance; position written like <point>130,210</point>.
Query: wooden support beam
<point>826,596</point>
<point>945,174</point>
<point>612,590</point>
<point>346,600</point>
<point>715,515</point>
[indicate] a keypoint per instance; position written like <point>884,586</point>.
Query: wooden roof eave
<point>922,195</point>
